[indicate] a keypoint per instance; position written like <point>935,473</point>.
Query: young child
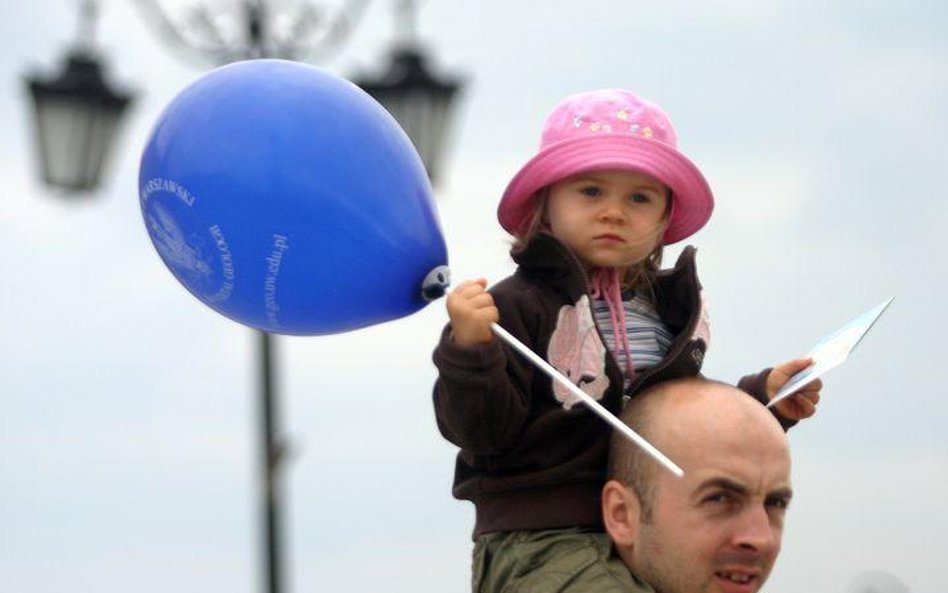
<point>590,213</point>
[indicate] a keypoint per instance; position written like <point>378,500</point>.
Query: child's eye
<point>640,198</point>
<point>591,191</point>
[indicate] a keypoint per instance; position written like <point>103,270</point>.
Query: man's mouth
<point>738,581</point>
<point>740,578</point>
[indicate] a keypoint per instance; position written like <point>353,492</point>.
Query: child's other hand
<point>472,310</point>
<point>802,404</point>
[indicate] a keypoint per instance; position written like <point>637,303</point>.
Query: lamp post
<point>418,100</point>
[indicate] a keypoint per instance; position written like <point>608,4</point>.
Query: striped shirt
<point>649,337</point>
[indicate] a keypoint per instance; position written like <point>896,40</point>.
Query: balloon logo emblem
<point>288,200</point>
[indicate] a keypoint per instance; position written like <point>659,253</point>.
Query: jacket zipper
<point>677,349</point>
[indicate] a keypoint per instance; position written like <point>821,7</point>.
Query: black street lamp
<point>77,114</point>
<point>419,100</point>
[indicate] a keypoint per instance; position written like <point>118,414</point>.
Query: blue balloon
<point>287,199</point>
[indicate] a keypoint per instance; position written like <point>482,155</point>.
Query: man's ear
<point>620,513</point>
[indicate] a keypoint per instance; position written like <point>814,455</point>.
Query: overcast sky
<point>128,419</point>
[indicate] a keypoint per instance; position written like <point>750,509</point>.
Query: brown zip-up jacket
<point>529,458</point>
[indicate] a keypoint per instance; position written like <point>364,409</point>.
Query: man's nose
<point>756,531</point>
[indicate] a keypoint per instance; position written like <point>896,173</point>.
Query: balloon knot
<point>436,283</point>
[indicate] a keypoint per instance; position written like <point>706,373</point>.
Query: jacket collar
<point>549,261</point>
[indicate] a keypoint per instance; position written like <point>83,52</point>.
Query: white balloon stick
<point>589,401</point>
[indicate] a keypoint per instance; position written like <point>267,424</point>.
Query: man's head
<point>717,529</point>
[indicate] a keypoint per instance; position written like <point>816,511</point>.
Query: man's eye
<point>719,497</point>
<point>778,502</point>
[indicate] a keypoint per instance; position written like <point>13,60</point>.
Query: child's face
<point>608,218</point>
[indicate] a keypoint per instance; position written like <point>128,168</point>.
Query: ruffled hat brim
<point>692,201</point>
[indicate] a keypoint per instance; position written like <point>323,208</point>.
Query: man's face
<point>718,529</point>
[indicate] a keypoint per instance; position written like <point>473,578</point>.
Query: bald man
<point>718,529</point>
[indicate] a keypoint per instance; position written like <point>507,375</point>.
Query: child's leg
<point>549,561</point>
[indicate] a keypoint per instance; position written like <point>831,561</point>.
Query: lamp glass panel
<point>74,137</point>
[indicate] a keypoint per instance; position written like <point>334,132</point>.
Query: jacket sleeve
<point>756,385</point>
<point>482,393</point>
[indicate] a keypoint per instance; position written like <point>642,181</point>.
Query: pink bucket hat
<point>610,129</point>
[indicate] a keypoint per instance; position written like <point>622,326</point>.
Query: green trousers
<point>550,561</point>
